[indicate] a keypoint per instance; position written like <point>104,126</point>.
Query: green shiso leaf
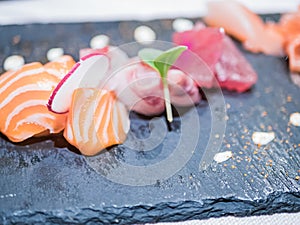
<point>148,55</point>
<point>162,62</point>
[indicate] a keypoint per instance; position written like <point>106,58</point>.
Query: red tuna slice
<point>205,49</point>
<point>205,42</point>
<point>233,71</point>
<point>231,68</point>
<point>196,68</point>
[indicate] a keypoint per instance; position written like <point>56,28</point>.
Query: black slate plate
<point>45,181</point>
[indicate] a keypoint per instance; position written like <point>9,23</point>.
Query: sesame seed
<point>13,62</point>
<point>54,53</point>
<point>180,25</point>
<point>99,41</point>
<point>144,34</point>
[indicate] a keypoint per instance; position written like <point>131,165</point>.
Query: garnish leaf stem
<point>162,62</point>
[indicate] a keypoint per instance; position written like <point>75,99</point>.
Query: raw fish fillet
<point>96,120</point>
<point>24,94</point>
<point>232,70</point>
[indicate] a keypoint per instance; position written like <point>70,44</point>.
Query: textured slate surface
<point>46,181</point>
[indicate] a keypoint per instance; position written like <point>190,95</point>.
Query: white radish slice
<point>87,73</point>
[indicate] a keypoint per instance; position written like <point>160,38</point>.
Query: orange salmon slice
<point>24,94</point>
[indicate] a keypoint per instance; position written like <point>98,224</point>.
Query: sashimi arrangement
<point>90,100</point>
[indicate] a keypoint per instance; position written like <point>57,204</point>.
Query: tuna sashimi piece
<point>202,42</point>
<point>23,97</point>
<point>231,69</point>
<point>96,120</point>
<point>245,26</point>
<point>205,41</point>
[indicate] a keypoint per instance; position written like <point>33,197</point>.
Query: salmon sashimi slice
<point>23,97</point>
<point>246,26</point>
<point>96,120</point>
<point>289,24</point>
<point>293,51</point>
<point>60,67</point>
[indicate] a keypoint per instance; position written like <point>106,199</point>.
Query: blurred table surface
<point>58,11</point>
<point>44,11</point>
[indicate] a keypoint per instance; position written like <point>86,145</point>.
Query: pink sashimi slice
<point>87,73</point>
<point>139,87</point>
<point>183,89</point>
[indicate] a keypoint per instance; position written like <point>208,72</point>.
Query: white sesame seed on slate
<point>13,62</point>
<point>262,138</point>
<point>54,53</point>
<point>295,119</point>
<point>181,24</point>
<point>144,34</point>
<point>99,41</point>
<point>222,156</point>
